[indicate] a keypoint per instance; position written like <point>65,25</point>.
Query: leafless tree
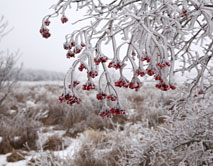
<point>9,73</point>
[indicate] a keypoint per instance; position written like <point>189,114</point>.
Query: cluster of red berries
<point>147,59</point>
<point>150,72</point>
<point>109,112</point>
<point>76,50</point>
<point>45,32</point>
<point>116,65</point>
<point>75,83</point>
<point>102,59</point>
<point>81,67</point>
<point>122,82</point>
<point>102,96</point>
<point>162,65</point>
<point>165,87</point>
<point>184,13</point>
<point>70,54</point>
<point>64,19</point>
<point>135,84</point>
<point>88,86</point>
<point>140,72</point>
<point>70,99</point>
<point>201,92</point>
<point>93,74</point>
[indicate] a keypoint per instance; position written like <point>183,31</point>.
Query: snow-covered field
<point>158,129</point>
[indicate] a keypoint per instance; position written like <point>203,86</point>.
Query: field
<point>37,130</point>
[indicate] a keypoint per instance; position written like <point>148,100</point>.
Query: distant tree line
<point>40,75</point>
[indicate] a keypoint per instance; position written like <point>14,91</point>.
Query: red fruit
<point>148,59</point>
<point>45,32</point>
<point>67,46</point>
<point>81,67</point>
<point>83,45</point>
<point>167,63</point>
<point>77,50</point>
<point>139,72</point>
<point>200,92</point>
<point>195,95</point>
<point>64,19</point>
<point>143,59</point>
<point>119,83</point>
<point>133,53</point>
<point>46,35</point>
<point>70,54</point>
<point>157,77</point>
<point>93,74</point>
<point>97,61</point>
<point>101,96</point>
<point>112,97</point>
<point>103,59</point>
<point>158,86</point>
<point>47,22</point>
<point>150,72</point>
<point>172,87</point>
<point>110,64</point>
<point>73,44</point>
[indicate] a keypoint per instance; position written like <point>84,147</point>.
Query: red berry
<point>172,87</point>
<point>200,92</point>
<point>47,22</point>
<point>83,45</point>
<point>64,19</point>
<point>70,54</point>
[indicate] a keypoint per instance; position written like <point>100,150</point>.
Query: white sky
<point>37,53</point>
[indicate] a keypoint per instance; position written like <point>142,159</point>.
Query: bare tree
<point>9,73</point>
<point>157,38</point>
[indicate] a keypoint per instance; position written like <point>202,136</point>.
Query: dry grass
<point>16,156</point>
<point>53,143</point>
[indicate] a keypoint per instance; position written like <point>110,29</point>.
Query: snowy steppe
<point>36,130</point>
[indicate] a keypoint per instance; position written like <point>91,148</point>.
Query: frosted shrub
<point>150,37</point>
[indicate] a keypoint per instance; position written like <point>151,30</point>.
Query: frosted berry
<point>64,19</point>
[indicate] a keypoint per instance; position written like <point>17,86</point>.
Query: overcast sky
<point>37,53</point>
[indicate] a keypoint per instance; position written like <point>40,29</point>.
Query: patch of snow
<point>1,139</point>
<point>11,112</point>
<point>30,103</point>
<point>70,151</point>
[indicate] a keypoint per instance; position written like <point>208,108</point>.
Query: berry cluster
<point>116,64</point>
<point>147,59</point>
<point>75,83</point>
<point>64,19</point>
<point>201,92</point>
<point>70,54</point>
<point>165,87</point>
<point>70,99</point>
<point>162,65</point>
<point>89,86</point>
<point>109,112</point>
<point>76,48</point>
<point>140,72</point>
<point>102,59</point>
<point>101,96</point>
<point>45,32</point>
<point>150,72</point>
<point>81,67</point>
<point>122,82</point>
<point>135,83</point>
<point>93,74</point>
